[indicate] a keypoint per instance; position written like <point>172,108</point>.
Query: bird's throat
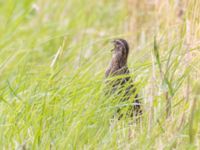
<point>119,60</point>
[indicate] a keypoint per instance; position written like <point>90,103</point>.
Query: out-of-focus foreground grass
<point>53,55</point>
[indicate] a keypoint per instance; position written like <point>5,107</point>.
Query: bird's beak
<point>113,41</point>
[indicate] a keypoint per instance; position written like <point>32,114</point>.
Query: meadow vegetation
<point>53,55</point>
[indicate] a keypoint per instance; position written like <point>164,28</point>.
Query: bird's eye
<point>118,45</point>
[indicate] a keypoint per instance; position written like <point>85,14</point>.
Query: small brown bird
<point>122,84</point>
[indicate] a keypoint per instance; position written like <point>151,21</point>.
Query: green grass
<point>53,55</point>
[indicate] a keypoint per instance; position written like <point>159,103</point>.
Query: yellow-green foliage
<point>53,54</point>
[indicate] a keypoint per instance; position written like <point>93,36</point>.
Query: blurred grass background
<point>53,55</point>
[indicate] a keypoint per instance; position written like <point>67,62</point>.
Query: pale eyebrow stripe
<point>121,43</point>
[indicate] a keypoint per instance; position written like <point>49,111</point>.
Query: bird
<point>119,81</point>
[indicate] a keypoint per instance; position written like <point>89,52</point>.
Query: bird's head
<point>120,47</point>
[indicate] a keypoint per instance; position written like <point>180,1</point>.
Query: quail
<point>119,80</point>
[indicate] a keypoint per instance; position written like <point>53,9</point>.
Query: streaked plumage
<point>124,84</point>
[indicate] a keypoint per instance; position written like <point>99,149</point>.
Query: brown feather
<point>118,66</point>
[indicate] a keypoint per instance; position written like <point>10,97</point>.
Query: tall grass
<point>53,58</point>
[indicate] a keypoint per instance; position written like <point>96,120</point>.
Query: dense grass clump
<point>53,55</point>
